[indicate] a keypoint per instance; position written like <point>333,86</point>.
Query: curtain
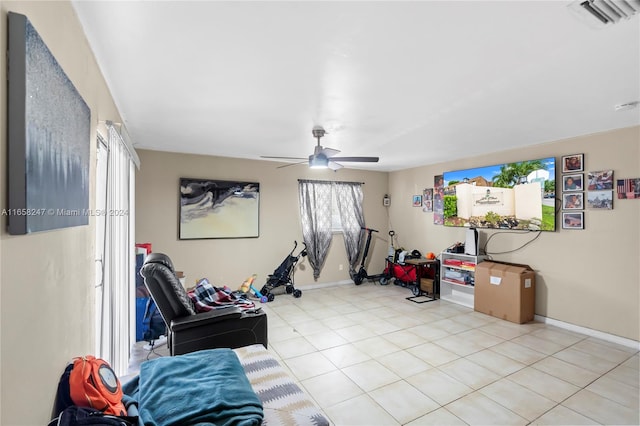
<point>117,323</point>
<point>315,215</point>
<point>349,198</point>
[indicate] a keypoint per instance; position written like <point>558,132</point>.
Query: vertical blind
<point>116,333</point>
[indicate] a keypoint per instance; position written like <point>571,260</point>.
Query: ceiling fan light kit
<point>319,161</point>
<point>323,158</point>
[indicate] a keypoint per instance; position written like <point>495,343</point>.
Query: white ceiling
<point>414,83</point>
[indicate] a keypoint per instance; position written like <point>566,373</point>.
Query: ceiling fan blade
<point>293,164</point>
<point>328,152</point>
<point>282,158</point>
<point>357,159</point>
<point>334,166</point>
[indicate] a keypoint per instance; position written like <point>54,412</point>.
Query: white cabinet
<point>457,277</point>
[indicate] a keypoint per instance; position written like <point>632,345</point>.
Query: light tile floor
<point>368,356</point>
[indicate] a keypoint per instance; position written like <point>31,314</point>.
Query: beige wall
<point>230,261</point>
<point>589,277</point>
<point>47,278</point>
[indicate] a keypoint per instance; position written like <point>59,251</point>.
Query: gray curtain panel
<point>349,197</point>
<point>315,215</point>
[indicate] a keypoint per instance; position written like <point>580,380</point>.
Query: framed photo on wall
<point>573,201</point>
<point>600,180</point>
<point>573,220</point>
<point>573,163</point>
<point>600,200</point>
<point>572,182</point>
<point>628,188</point>
<point>417,201</point>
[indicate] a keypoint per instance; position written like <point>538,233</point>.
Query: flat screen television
<point>519,196</point>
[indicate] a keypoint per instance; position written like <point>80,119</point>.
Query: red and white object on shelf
<point>469,266</point>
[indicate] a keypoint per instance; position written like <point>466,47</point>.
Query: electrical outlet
<point>340,267</point>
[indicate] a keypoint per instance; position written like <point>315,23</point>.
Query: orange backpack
<point>92,383</point>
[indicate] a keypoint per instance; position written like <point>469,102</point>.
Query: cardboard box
<point>505,290</point>
<point>426,285</point>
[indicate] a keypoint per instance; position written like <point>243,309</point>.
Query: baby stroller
<point>283,275</point>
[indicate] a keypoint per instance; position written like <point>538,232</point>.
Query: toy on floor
<point>263,299</point>
<point>247,288</point>
<point>246,285</point>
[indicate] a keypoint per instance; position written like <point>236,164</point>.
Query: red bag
<point>92,383</point>
<point>404,273</point>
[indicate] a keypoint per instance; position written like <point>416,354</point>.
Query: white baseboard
<point>325,285</point>
<point>332,284</point>
<point>630,343</point>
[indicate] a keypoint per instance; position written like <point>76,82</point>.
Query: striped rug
<point>285,403</point>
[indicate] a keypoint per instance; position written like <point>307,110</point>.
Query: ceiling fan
<point>323,158</point>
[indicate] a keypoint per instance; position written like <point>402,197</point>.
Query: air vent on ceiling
<point>601,13</point>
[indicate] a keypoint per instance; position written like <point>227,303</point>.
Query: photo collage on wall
<point>628,189</point>
<point>600,190</point>
<point>593,190</point>
<point>438,200</point>
<point>427,200</point>
<point>573,191</point>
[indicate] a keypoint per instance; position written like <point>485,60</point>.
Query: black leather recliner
<point>189,331</point>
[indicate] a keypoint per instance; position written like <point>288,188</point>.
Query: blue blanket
<point>207,387</point>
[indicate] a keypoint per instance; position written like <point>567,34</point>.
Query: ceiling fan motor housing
<point>318,132</point>
<point>318,161</point>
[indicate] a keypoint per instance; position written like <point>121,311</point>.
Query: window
<point>115,250</point>
<point>101,204</point>
<point>336,222</point>
<point>319,216</point>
